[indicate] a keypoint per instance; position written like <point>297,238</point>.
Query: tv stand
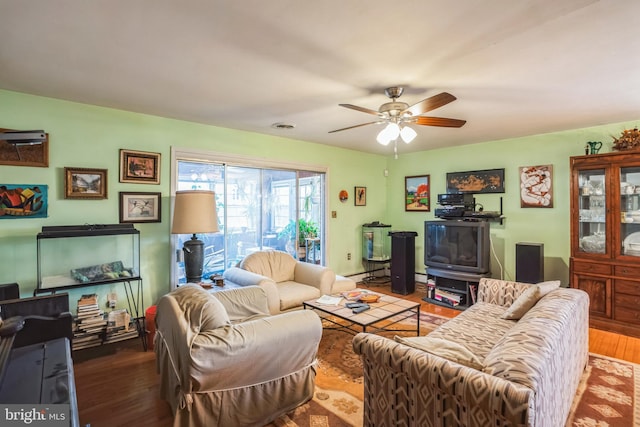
<point>462,284</point>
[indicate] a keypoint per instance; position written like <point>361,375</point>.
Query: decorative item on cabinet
<point>593,147</point>
<point>629,140</point>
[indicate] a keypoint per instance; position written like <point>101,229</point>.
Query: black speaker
<point>403,262</point>
<point>529,262</point>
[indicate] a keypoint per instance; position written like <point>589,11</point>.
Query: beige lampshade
<point>195,212</point>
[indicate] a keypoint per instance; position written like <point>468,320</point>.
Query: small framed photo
<point>139,167</point>
<point>140,207</point>
<point>84,183</point>
<point>360,198</point>
<point>416,192</point>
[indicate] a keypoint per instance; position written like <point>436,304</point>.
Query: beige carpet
<point>607,397</point>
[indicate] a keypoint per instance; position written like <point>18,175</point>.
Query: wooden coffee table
<point>387,307</point>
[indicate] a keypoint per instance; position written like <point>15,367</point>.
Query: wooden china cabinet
<point>605,237</point>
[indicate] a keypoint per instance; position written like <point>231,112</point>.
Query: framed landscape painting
<point>84,183</point>
<point>476,182</point>
<point>417,193</point>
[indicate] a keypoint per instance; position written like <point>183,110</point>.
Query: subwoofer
<point>529,262</point>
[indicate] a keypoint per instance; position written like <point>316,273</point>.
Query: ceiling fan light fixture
<point>389,133</point>
<point>408,134</point>
<point>382,138</point>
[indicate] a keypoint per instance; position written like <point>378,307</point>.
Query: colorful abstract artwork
<point>23,201</point>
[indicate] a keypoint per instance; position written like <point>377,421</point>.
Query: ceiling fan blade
<point>438,121</point>
<point>356,126</point>
<point>429,104</point>
<point>364,110</point>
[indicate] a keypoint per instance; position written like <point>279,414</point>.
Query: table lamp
<point>194,212</point>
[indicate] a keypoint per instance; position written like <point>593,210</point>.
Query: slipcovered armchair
<point>224,360</point>
<point>287,282</point>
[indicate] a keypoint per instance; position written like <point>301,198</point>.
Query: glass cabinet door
<point>592,206</point>
<point>630,211</point>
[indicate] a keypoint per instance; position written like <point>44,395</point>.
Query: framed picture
<point>416,193</point>
<point>83,183</point>
<point>140,207</point>
<point>140,167</point>
<point>360,196</point>
<point>23,201</point>
<point>536,186</point>
<point>24,154</point>
<point>484,181</point>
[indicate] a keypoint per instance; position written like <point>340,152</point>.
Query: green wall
<point>91,137</point>
<point>549,226</point>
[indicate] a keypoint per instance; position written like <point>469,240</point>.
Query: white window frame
<point>189,154</point>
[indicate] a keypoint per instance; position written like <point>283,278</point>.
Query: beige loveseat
<point>480,368</point>
<point>225,361</point>
<point>287,282</point>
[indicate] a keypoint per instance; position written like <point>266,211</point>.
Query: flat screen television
<point>462,246</point>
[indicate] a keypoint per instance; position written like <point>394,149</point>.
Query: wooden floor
<point>117,384</point>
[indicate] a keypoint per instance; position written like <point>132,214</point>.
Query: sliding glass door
<point>258,208</point>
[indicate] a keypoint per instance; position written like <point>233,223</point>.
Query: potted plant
<point>306,229</point>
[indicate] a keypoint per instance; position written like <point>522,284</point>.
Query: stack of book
<point>89,324</point>
<point>450,298</point>
<point>119,326</point>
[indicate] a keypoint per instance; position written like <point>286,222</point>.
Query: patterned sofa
<point>514,358</point>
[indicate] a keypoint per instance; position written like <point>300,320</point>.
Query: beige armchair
<point>224,360</point>
<point>287,282</point>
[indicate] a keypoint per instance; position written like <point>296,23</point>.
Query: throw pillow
<point>528,299</point>
<point>444,348</point>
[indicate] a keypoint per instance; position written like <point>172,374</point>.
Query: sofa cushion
<point>529,298</point>
<point>463,329</point>
<point>293,294</point>
<point>278,265</point>
<point>444,348</point>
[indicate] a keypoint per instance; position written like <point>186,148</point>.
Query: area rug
<point>608,395</point>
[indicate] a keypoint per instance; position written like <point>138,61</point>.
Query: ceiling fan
<point>398,115</point>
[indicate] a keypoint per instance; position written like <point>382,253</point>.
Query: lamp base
<point>193,259</point>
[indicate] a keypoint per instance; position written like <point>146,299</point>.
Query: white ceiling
<point>517,67</point>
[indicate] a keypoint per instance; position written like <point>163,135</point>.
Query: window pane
<point>257,209</point>
<point>204,176</point>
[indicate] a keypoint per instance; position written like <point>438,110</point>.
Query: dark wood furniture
<point>605,238</point>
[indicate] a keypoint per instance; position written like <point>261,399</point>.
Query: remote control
<point>360,309</point>
<point>354,304</point>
